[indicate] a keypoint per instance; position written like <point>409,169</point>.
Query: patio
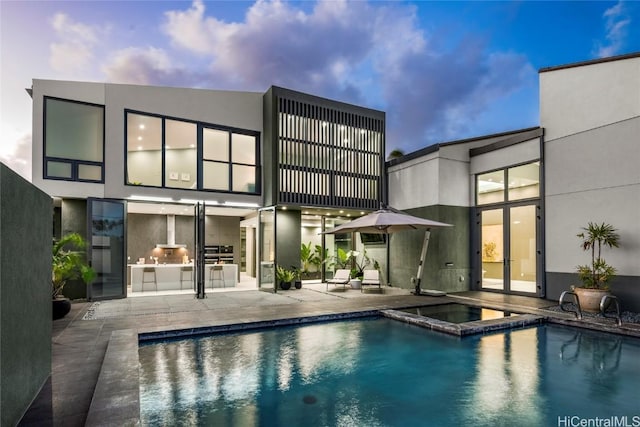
<point>80,339</point>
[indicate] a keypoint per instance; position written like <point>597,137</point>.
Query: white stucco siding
<point>414,184</point>
<point>606,157</point>
<point>593,177</point>
<point>576,99</point>
<point>524,152</point>
<point>567,213</point>
<point>454,183</point>
<point>241,110</point>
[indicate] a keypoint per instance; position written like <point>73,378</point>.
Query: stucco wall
<point>226,108</point>
<point>579,98</point>
<point>447,266</point>
<point>25,294</point>
<point>591,116</point>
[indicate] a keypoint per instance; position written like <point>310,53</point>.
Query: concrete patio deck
<point>80,340</point>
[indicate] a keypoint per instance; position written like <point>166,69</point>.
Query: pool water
<point>379,372</point>
<point>458,313</point>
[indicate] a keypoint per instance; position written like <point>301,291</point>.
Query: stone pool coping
<point>116,399</point>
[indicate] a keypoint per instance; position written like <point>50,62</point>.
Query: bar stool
<point>186,271</point>
<point>152,271</point>
<point>216,272</point>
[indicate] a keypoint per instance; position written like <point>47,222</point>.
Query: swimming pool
<point>380,372</point>
<point>458,313</point>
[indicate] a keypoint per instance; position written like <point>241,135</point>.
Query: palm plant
<point>69,263</point>
<point>597,274</point>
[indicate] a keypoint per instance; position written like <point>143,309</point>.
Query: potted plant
<point>595,276</point>
<point>297,277</point>
<point>284,277</point>
<point>68,263</point>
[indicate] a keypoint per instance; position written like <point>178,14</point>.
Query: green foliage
<point>69,263</point>
<point>308,257</point>
<point>320,257</point>
<point>594,237</point>
<point>285,276</point>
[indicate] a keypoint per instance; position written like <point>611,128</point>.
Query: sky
<point>441,71</point>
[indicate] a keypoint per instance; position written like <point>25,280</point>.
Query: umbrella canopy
<point>386,221</point>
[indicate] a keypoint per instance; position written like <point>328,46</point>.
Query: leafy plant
<point>597,274</point>
<point>307,257</point>
<point>320,257</point>
<point>285,276</point>
<point>69,263</point>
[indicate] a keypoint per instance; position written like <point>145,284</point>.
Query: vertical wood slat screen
<point>328,157</point>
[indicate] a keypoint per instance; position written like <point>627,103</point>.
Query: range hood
<point>171,235</point>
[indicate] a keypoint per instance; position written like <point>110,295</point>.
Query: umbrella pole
<point>423,255</point>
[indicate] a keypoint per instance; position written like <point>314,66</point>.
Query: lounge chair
<point>370,278</point>
<point>341,277</point>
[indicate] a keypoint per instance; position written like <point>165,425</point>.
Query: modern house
<point>168,175</point>
<point>518,199</point>
<point>167,183</point>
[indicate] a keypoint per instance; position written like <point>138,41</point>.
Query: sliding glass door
<point>107,246</point>
<point>509,252</point>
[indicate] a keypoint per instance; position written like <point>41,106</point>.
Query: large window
<point>73,140</point>
<point>523,183</point>
<point>165,152</point>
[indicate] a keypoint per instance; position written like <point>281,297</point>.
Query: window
<point>144,150</point>
<point>73,140</point>
<point>523,183</point>
<point>164,152</point>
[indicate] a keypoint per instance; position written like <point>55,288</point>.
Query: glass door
<point>509,249</point>
<point>199,259</point>
<point>492,249</point>
<point>523,253</point>
<point>267,250</point>
<point>107,247</point>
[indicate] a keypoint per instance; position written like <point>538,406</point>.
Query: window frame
<point>74,163</point>
<point>505,190</point>
<point>200,127</point>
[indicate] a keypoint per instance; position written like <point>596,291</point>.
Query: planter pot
<point>60,307</point>
<point>590,298</point>
<point>298,284</point>
<point>285,286</point>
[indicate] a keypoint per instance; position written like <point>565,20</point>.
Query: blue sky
<point>440,70</point>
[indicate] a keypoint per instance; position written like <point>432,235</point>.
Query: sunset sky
<point>440,70</point>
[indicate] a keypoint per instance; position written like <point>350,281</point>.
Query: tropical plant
<point>69,263</point>
<point>307,257</point>
<point>320,257</point>
<point>285,276</point>
<point>597,274</point>
<point>341,259</point>
<point>359,264</point>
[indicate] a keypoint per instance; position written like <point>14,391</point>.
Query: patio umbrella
<point>388,220</point>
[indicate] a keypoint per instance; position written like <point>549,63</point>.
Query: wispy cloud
<point>18,157</point>
<point>616,24</point>
<point>376,54</point>
<point>73,50</point>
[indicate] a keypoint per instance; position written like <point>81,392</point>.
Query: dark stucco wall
<point>626,288</point>
<point>288,238</point>
<point>25,293</point>
<point>447,265</point>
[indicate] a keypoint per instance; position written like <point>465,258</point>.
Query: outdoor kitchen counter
<point>172,277</point>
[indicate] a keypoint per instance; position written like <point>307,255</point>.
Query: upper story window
<point>173,153</point>
<point>73,140</point>
<point>515,183</point>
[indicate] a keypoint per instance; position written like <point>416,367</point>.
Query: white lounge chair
<point>341,277</point>
<point>370,278</point>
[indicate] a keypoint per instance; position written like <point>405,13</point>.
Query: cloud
<point>74,49</point>
<point>375,54</point>
<point>147,66</point>
<point>616,25</point>
<point>19,157</point>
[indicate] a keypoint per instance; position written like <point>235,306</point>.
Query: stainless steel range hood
<point>171,235</point>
